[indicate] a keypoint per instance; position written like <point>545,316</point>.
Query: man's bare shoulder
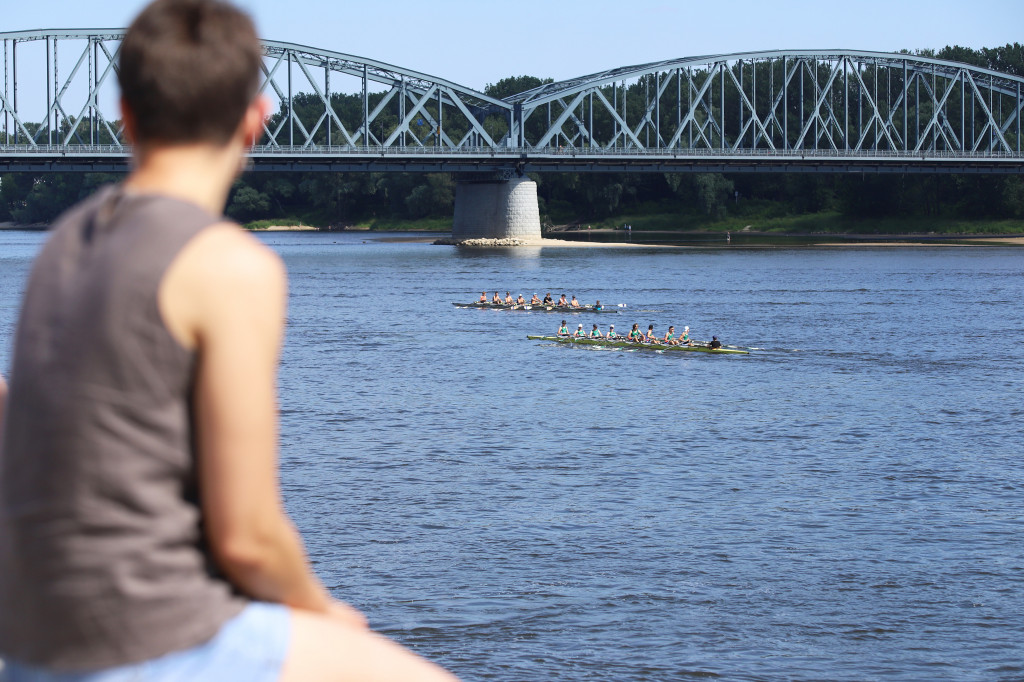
<point>220,274</point>
<point>224,253</point>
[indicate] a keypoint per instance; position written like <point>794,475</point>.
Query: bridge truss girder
<point>835,109</point>
<point>842,101</point>
<point>421,110</point>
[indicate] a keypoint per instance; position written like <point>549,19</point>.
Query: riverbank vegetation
<point>798,203</point>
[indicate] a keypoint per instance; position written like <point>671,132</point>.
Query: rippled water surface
<point>843,503</point>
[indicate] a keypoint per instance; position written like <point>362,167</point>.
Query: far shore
<point>815,239</point>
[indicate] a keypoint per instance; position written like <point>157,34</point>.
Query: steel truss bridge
<point>786,110</point>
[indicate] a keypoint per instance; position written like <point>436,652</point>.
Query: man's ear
<point>252,121</point>
<point>128,119</point>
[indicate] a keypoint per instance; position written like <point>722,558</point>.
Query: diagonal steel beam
<point>780,96</point>
<point>750,108</point>
<point>581,129</point>
<point>57,100</point>
<point>624,130</point>
<point>111,68</point>
<point>991,118</point>
<point>875,116</point>
<point>418,107</point>
<point>937,109</point>
<point>556,127</point>
<point>647,119</point>
<point>328,109</point>
<point>473,123</point>
<point>820,97</point>
<point>690,115</point>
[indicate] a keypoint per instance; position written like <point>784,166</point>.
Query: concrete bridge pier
<point>495,208</point>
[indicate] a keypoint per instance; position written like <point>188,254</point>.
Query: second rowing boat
<point>621,342</point>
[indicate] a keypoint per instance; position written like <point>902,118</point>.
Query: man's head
<point>189,70</point>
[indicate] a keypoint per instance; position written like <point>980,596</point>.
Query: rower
<point>611,332</point>
<point>715,343</point>
<point>685,338</point>
<point>649,337</point>
<point>580,333</point>
<point>595,333</point>
<point>670,337</point>
<point>635,334</point>
<point>508,299</point>
<point>575,303</point>
<point>562,303</point>
<point>520,300</point>
<point>483,297</point>
<point>497,298</point>
<point>598,306</point>
<point>535,300</point>
<point>563,330</point>
<point>547,299</point>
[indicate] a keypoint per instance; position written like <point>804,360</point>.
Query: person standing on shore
<point>142,530</point>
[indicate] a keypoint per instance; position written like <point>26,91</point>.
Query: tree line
<point>341,199</point>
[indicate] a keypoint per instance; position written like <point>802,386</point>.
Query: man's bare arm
<point>226,295</point>
<point>3,404</point>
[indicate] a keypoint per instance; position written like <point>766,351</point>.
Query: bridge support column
<point>496,209</point>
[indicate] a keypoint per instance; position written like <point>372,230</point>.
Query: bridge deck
<point>113,158</point>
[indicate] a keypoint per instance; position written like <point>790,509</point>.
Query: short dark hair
<point>188,70</point>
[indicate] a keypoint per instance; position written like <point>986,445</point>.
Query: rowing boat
<point>623,343</point>
<point>540,308</point>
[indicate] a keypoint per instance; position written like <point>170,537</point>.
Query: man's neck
<point>198,173</point>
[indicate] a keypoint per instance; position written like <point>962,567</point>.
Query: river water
<point>843,503</point>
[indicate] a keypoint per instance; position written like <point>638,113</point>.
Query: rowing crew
<point>637,336</point>
<point>562,303</point>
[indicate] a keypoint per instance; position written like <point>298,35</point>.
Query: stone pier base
<point>493,209</point>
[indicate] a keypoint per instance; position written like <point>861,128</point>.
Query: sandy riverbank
<point>546,243</point>
<point>287,228</point>
<point>951,241</point>
<point>1019,241</point>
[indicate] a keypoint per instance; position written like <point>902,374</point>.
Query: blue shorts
<point>251,647</point>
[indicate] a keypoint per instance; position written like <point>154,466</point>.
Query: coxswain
<point>635,334</point>
<point>535,300</point>
<point>575,303</point>
<point>483,297</point>
<point>670,337</point>
<point>611,332</point>
<point>508,299</point>
<point>580,333</point>
<point>563,330</point>
<point>650,337</point>
<point>598,306</point>
<point>715,343</point>
<point>562,303</point>
<point>595,333</point>
<point>547,299</point>
<point>520,300</point>
<point>496,299</point>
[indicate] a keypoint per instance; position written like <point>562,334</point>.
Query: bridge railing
<point>124,151</point>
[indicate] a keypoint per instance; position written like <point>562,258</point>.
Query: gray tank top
<point>102,555</point>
